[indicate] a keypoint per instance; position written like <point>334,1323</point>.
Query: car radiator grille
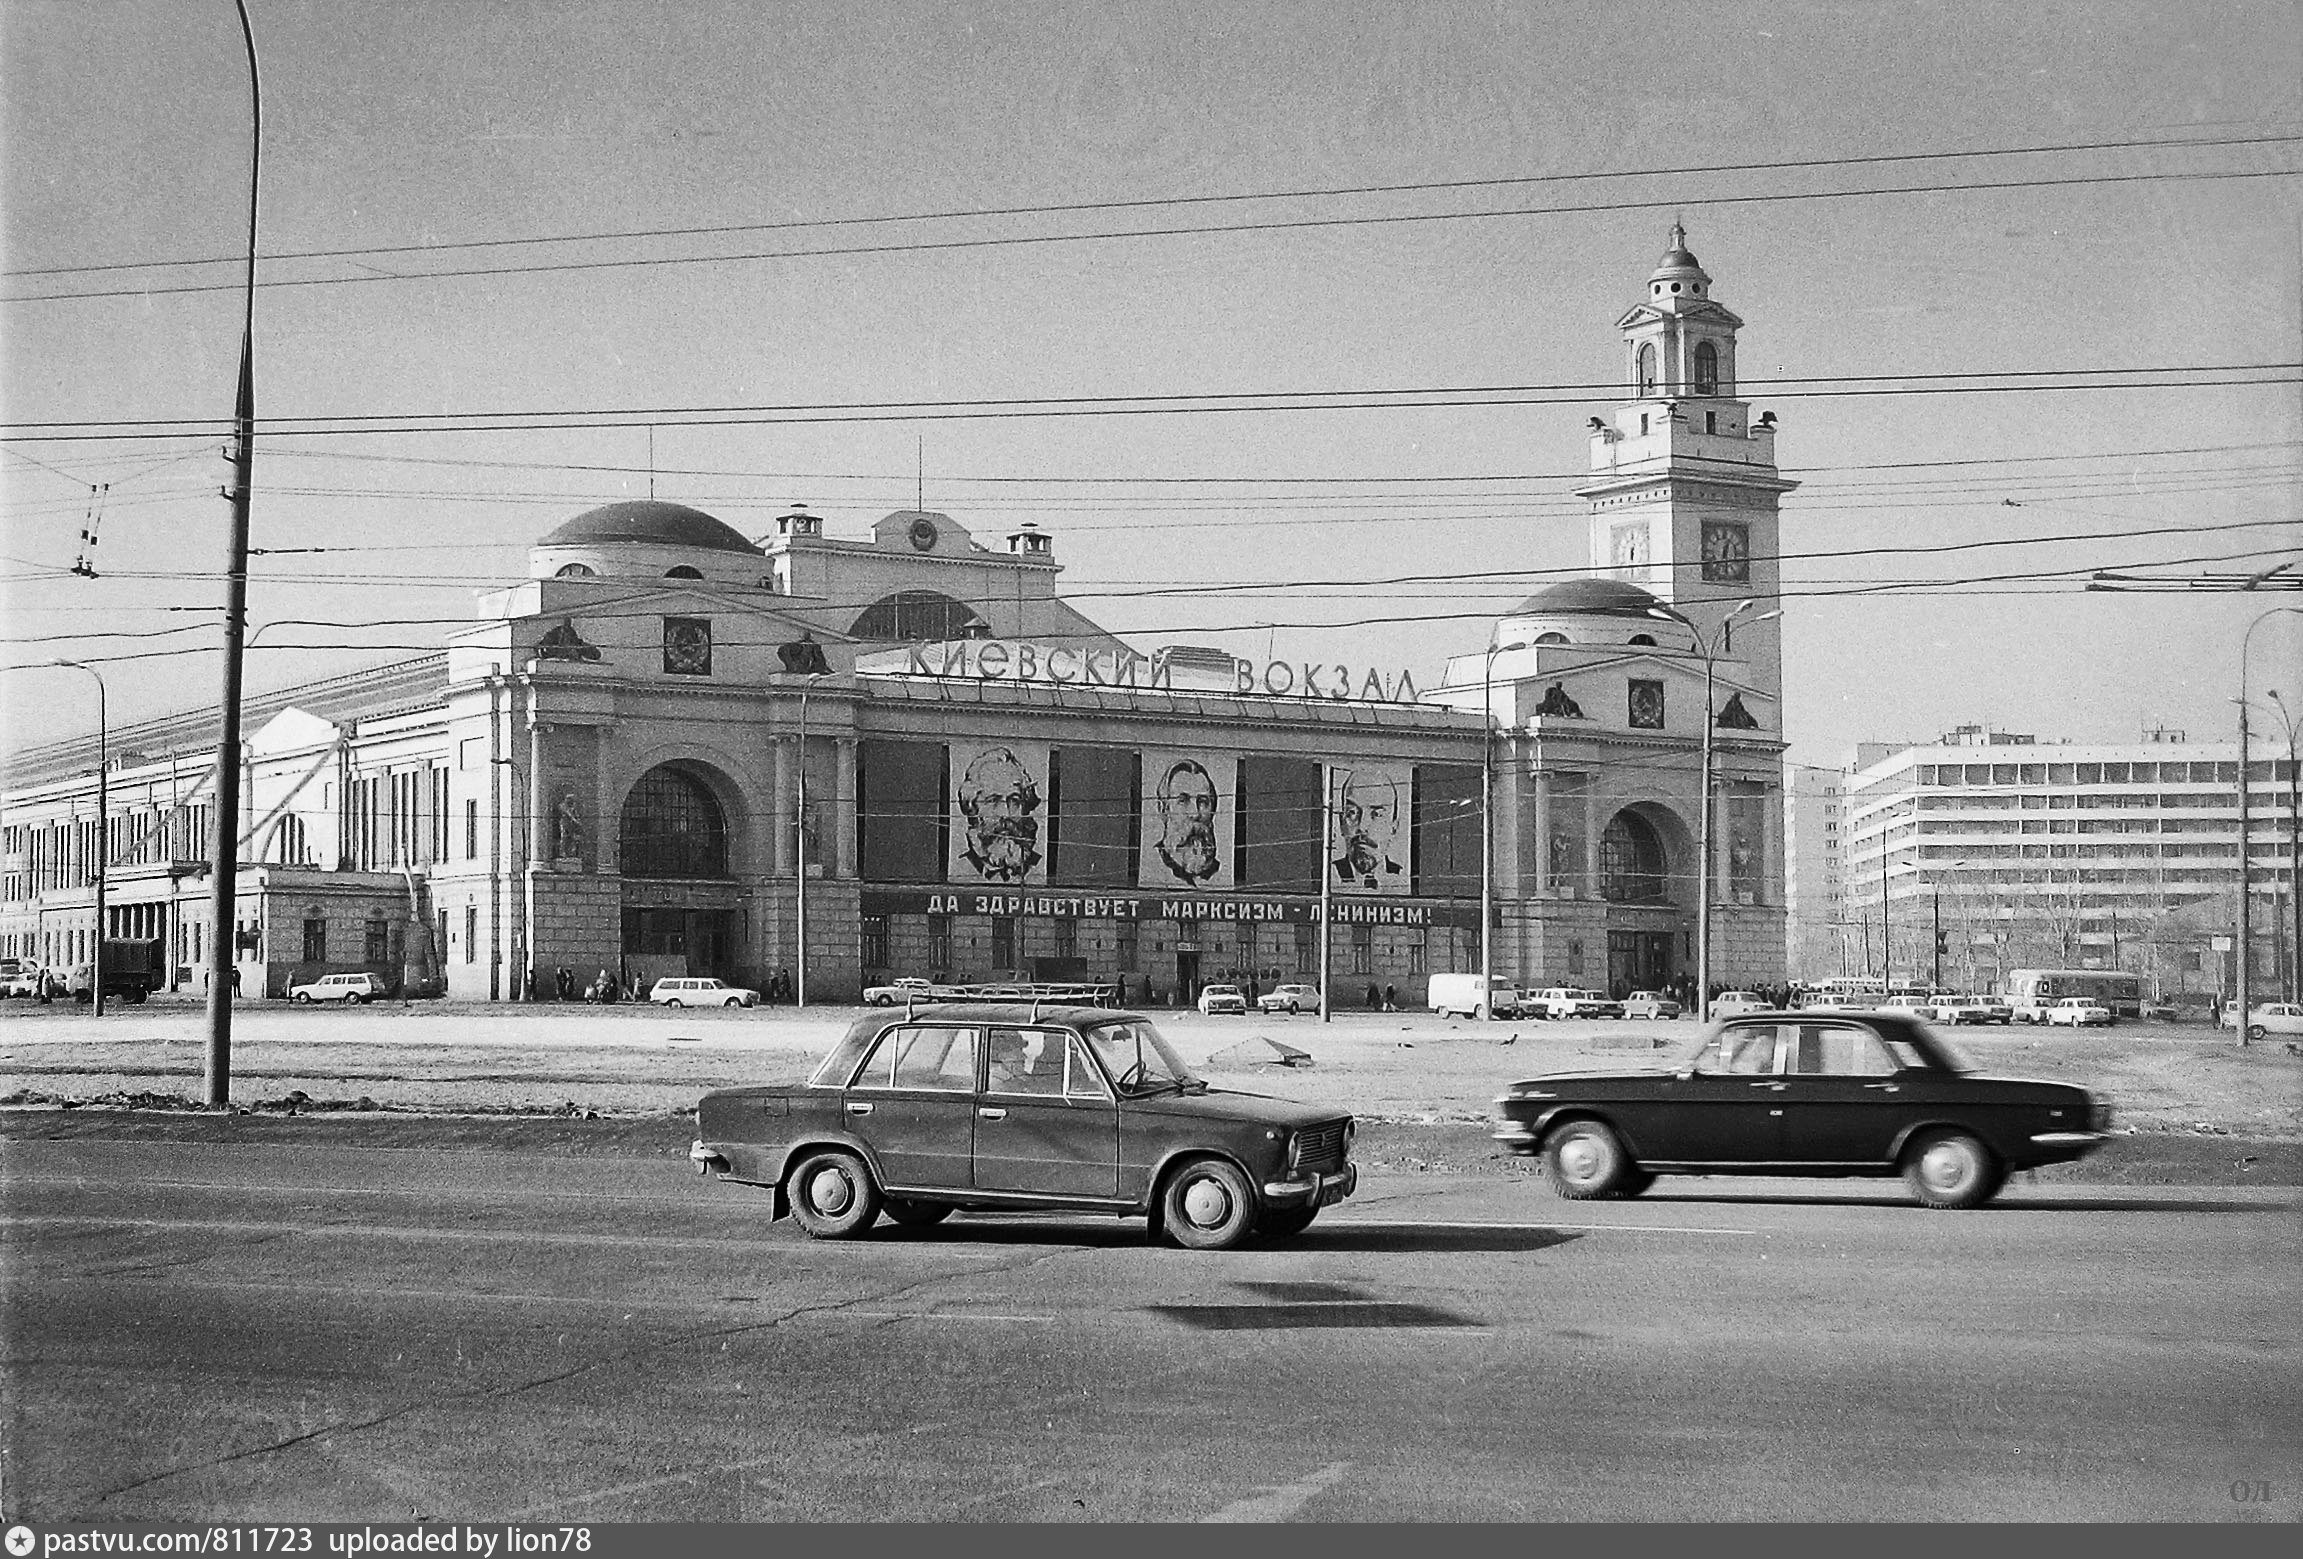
<point>1320,1148</point>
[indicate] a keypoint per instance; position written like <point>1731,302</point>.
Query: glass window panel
<point>1027,1061</point>
<point>935,1057</point>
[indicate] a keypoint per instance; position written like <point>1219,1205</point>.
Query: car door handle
<point>987,1112</point>
<point>1883,1087</point>
<point>856,1107</point>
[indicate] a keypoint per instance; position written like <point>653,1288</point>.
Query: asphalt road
<point>197,1332</point>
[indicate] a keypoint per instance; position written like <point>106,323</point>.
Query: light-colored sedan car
<point>1222,998</point>
<point>1961,1009</point>
<point>699,991</point>
<point>1729,1003</point>
<point>2079,1012</point>
<point>1649,1004</point>
<point>2278,1017</point>
<point>1289,998</point>
<point>904,988</point>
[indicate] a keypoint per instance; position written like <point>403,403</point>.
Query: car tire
<point>916,1215</point>
<point>883,1001</point>
<point>1291,1009</point>
<point>2257,1031</point>
<point>674,1003</point>
<point>832,1195</point>
<point>1950,1169</point>
<point>1207,1205</point>
<point>1585,1161</point>
<point>1283,1223</point>
<point>302,998</point>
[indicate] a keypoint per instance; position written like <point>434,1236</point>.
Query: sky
<point>1318,207</point>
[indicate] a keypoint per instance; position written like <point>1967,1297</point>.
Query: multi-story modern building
<point>1824,938</point>
<point>2070,855</point>
<point>671,748</point>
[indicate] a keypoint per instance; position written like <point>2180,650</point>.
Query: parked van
<point>1460,994</point>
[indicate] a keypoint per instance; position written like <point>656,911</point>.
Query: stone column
<point>785,809</point>
<point>844,802</point>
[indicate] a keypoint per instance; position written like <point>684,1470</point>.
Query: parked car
<point>902,989</point>
<point>1957,1009</point>
<point>1025,1108</point>
<point>1998,1009</point>
<point>2078,1012</point>
<point>2278,1017</point>
<point>1918,1005</point>
<point>351,989</point>
<point>1451,994</point>
<point>2153,1010</point>
<point>1289,998</point>
<point>1222,998</point>
<point>30,979</point>
<point>1728,1003</point>
<point>1650,1004</point>
<point>1834,1093</point>
<point>1567,1001</point>
<point>701,991</point>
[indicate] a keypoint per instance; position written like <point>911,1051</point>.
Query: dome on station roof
<point>1589,597</point>
<point>651,522</point>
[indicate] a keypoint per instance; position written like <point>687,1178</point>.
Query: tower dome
<point>1678,273</point>
<point>649,522</point>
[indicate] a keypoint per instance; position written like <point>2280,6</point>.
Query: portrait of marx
<point>1188,801</point>
<point>1000,802</point>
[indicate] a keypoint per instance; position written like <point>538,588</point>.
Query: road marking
<point>1281,1503</point>
<point>1531,1228</point>
<point>844,1314</point>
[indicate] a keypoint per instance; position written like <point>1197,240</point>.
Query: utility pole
<point>224,852</point>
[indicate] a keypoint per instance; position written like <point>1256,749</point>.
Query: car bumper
<point>1314,1190</point>
<point>1516,1135</point>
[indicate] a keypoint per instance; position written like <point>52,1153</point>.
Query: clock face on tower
<point>1627,549</point>
<point>923,534</point>
<point>1726,552</point>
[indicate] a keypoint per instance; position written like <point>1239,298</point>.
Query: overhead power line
<point>1211,229</point>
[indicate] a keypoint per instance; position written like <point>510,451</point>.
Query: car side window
<point>1838,1050</point>
<point>1029,1061</point>
<point>1746,1050</point>
<point>1081,1079</point>
<point>936,1057</point>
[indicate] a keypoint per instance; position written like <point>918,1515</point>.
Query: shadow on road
<point>2010,1202</point>
<point>1011,1230</point>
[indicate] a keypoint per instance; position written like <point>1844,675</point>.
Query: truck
<point>1452,993</point>
<point>132,971</point>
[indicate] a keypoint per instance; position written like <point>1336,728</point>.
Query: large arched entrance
<point>1644,855</point>
<point>679,902</point>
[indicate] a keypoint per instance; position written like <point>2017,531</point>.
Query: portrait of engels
<point>1367,830</point>
<point>1000,802</point>
<point>1188,799</point>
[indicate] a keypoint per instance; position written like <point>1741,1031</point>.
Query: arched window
<point>673,827</point>
<point>1551,638</point>
<point>918,615</point>
<point>575,571</point>
<point>288,846</point>
<point>1706,368</point>
<point>1631,860</point>
<point>1647,370</point>
<point>1643,638</point>
<point>683,572</point>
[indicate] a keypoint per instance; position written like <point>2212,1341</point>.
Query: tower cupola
<point>1678,274</point>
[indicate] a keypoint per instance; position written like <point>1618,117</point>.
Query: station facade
<point>675,749</point>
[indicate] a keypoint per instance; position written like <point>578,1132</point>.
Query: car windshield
<point>1139,1058</point>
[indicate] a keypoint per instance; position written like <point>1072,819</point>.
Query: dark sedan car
<point>1802,1093</point>
<point>1018,1107</point>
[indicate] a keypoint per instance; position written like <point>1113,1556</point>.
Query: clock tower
<point>1684,490</point>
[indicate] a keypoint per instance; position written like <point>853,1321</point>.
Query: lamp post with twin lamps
<point>2294,848</point>
<point>103,836</point>
<point>804,658</point>
<point>1722,639</point>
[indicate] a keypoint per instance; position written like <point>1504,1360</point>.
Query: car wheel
<point>1282,1223</point>
<point>1291,1009</point>
<point>2257,1031</point>
<point>883,1001</point>
<point>674,1001</point>
<point>1950,1169</point>
<point>302,998</point>
<point>1585,1161</point>
<point>917,1215</point>
<point>833,1197</point>
<point>1208,1205</point>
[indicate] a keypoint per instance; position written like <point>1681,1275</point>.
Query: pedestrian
<point>1391,998</point>
<point>564,981</point>
<point>1374,998</point>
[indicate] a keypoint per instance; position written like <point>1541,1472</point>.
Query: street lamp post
<point>800,853</point>
<point>103,835</point>
<point>1487,827</point>
<point>2294,851</point>
<point>1703,803</point>
<point>2245,1010</point>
